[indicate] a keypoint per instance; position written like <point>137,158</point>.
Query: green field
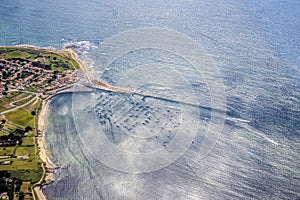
<point>29,169</point>
<point>24,163</point>
<point>23,101</point>
<point>13,96</point>
<point>4,151</point>
<point>21,117</point>
<point>46,57</point>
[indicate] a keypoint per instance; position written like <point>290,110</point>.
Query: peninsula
<point>29,78</point>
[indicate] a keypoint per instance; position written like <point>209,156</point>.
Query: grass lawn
<point>14,96</point>
<point>21,150</point>
<point>4,132</point>
<point>18,54</point>
<point>29,169</point>
<point>33,106</point>
<point>26,187</point>
<point>21,117</point>
<point>48,57</point>
<point>28,141</point>
<point>23,101</point>
<point>7,151</point>
<point>4,102</point>
<point>19,163</point>
<point>31,175</point>
<point>2,108</point>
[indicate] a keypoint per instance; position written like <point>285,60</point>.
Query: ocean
<point>254,45</point>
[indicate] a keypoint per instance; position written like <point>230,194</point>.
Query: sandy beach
<point>90,82</point>
<point>42,152</point>
<point>48,166</point>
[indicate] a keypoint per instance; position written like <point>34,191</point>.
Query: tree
<point>4,74</point>
<point>10,191</point>
<point>3,187</point>
<point>28,128</point>
<point>21,196</point>
<point>47,67</point>
<point>18,184</point>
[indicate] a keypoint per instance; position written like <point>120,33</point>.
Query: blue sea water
<point>255,44</point>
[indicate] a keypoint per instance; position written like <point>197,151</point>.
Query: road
<point>21,106</point>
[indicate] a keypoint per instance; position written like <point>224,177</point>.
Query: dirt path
<point>21,106</point>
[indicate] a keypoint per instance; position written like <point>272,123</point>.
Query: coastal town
<point>28,78</point>
<point>42,74</point>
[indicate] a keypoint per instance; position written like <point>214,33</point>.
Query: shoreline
<point>41,120</point>
<point>43,153</point>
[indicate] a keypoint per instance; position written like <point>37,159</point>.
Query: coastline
<point>48,166</point>
<point>41,119</point>
<point>43,153</point>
